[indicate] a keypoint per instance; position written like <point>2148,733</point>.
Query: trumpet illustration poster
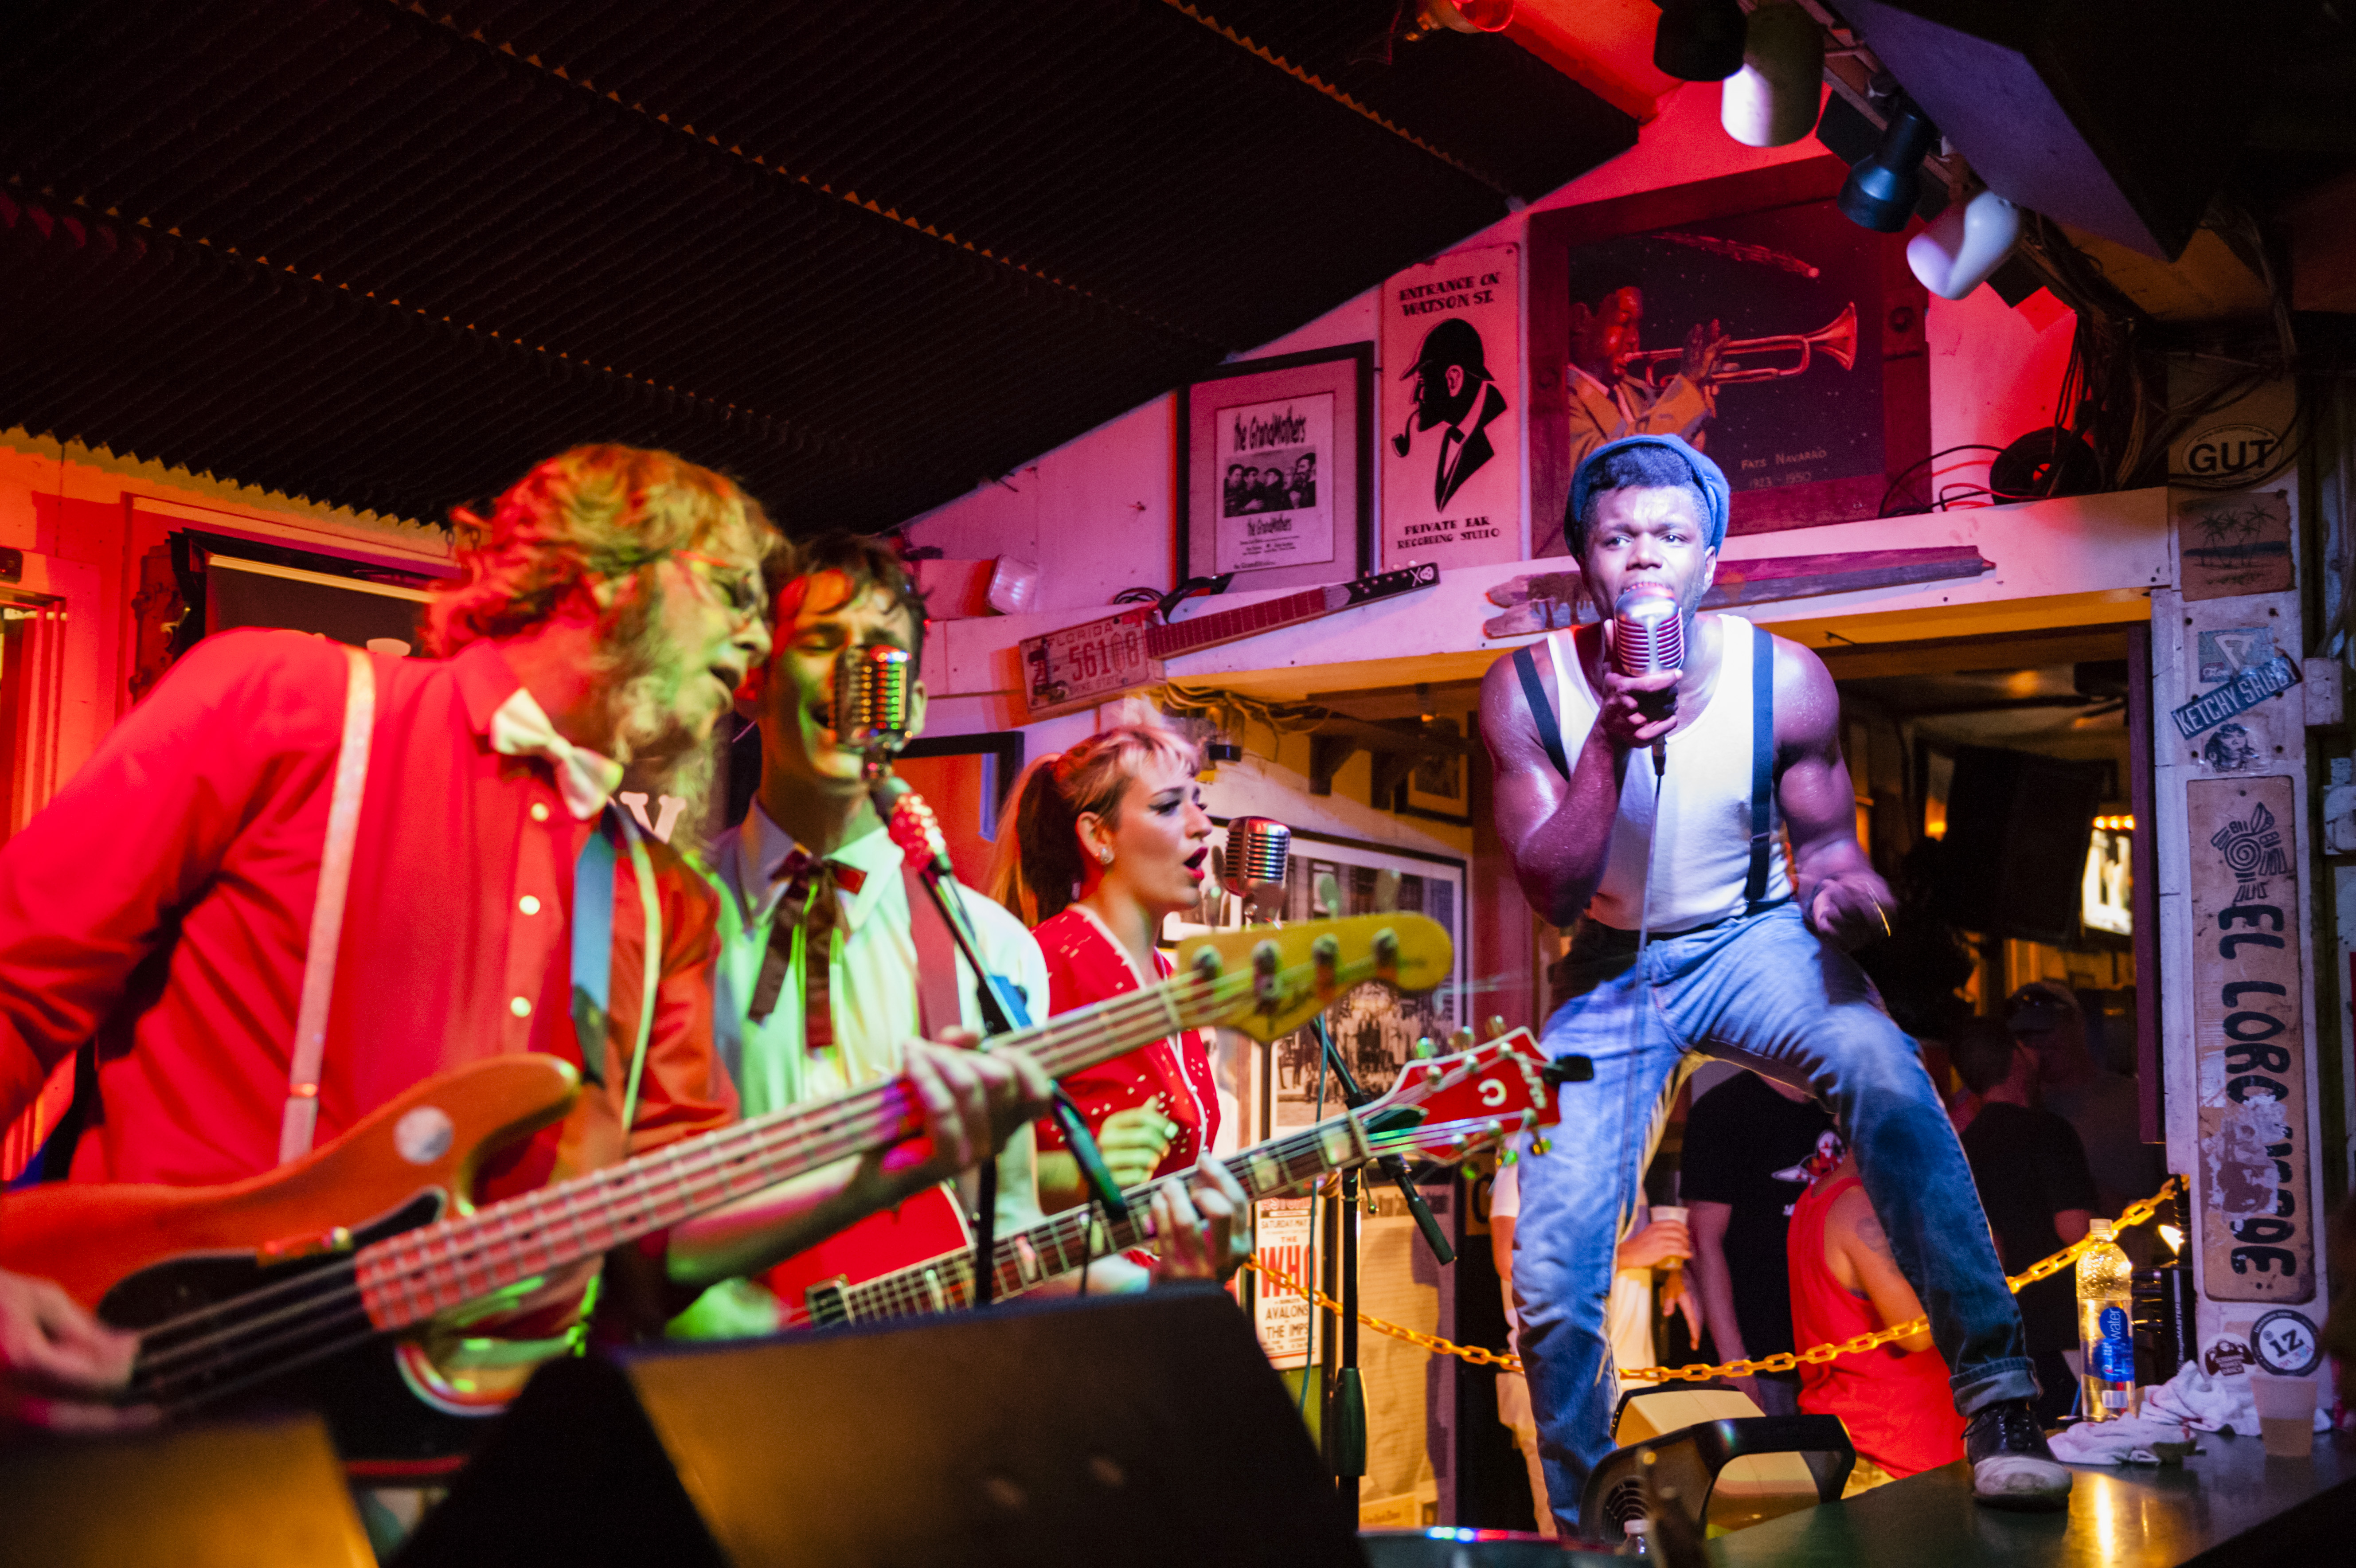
<point>1757,336</point>
<point>1451,380</point>
<point>1276,505</point>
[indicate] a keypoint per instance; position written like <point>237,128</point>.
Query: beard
<point>661,753</point>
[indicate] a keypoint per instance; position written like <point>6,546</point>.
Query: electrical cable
<point>1907,472</point>
<point>1309,1257</point>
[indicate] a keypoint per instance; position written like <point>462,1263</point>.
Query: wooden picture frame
<point>1440,787</point>
<point>1731,250</point>
<point>1317,405</point>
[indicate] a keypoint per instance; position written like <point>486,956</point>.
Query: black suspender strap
<point>1550,732</point>
<point>1762,765</point>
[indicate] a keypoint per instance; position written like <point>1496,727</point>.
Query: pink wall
<point>1096,510</point>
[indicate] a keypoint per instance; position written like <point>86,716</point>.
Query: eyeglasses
<point>738,587</point>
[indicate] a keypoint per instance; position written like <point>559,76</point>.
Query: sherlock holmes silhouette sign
<point>1451,378</point>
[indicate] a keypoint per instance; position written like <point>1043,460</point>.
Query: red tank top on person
<point>1898,1407</point>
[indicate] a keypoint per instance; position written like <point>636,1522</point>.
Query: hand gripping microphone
<point>1648,637</point>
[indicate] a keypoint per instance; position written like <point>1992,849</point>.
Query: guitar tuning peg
<point>1495,1023</point>
<point>1542,1146</point>
<point>1506,1156</point>
<point>1424,1050</point>
<point>1460,1042</point>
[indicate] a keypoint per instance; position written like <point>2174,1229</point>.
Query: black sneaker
<point>2011,1465</point>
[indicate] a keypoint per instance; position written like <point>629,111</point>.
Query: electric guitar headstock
<point>1502,1082</point>
<point>1268,980</point>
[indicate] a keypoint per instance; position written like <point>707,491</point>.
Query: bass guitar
<point>1442,1108</point>
<point>284,1287</point>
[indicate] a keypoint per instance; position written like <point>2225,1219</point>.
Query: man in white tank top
<point>1652,804</point>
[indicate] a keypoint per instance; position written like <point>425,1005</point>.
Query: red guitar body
<point>928,1224</point>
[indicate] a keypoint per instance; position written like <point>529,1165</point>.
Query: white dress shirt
<point>873,984</point>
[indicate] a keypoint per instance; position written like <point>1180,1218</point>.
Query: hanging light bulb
<point>1881,191</point>
<point>1772,100</point>
<point>1964,245</point>
<point>1699,40</point>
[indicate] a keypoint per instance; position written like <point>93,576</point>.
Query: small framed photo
<point>1438,785</point>
<point>1278,454</point>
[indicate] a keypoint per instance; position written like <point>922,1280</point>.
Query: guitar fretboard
<point>1249,620</point>
<point>1070,1238</point>
<point>436,1268</point>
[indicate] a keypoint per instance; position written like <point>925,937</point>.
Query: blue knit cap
<point>1715,491</point>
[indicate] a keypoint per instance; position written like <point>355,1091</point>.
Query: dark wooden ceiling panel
<point>861,256</point>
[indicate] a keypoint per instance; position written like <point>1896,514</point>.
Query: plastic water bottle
<point>2106,1329</point>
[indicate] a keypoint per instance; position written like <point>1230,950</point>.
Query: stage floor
<point>2228,1503</point>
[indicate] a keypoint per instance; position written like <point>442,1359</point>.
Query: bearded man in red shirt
<point>163,906</point>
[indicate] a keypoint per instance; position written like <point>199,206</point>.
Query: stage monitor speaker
<point>2118,116</point>
<point>2013,863</point>
<point>1144,1429</point>
<point>257,1494</point>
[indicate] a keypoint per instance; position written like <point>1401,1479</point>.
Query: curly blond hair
<point>594,512</point>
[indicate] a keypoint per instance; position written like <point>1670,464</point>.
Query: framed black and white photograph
<point>1277,456</point>
<point>1439,786</point>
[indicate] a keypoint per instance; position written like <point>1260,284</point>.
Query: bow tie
<point>806,905</point>
<point>521,728</point>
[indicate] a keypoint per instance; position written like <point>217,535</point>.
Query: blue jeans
<point>1765,991</point>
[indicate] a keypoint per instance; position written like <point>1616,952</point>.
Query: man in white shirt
<point>812,864</point>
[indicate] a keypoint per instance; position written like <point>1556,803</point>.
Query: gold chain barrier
<point>1781,1362</point>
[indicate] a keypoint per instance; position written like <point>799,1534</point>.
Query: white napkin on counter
<point>2191,1401</point>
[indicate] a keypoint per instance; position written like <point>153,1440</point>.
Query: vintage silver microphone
<point>1257,850</point>
<point>874,691</point>
<point>1648,637</point>
<point>874,699</point>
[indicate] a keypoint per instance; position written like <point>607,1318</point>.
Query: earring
<point>1104,856</point>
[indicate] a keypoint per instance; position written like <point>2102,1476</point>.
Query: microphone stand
<point>1003,1011</point>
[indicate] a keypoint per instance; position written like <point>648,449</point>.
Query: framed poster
<point>1452,410</point>
<point>1746,314</point>
<point>1278,480</point>
<point>1375,1027</point>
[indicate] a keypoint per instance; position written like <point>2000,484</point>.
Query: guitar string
<point>1223,988</point>
<point>1105,1019</point>
<point>906,1296</point>
<point>825,1121</point>
<point>1065,1233</point>
<point>282,1363</point>
<point>904,1292</point>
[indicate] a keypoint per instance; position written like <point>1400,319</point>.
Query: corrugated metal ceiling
<point>861,256</point>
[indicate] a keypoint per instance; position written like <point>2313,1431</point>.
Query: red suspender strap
<point>938,1007</point>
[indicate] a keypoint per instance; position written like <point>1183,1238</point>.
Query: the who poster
<point>1276,496</point>
<point>1451,377</point>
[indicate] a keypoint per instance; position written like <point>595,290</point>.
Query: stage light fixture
<point>1964,245</point>
<point>1881,191</point>
<point>1773,99</point>
<point>1699,40</point>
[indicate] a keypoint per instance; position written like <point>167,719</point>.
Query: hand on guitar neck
<point>972,1103</point>
<point>58,1363</point>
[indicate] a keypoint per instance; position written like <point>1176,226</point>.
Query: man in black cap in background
<point>1454,386</point>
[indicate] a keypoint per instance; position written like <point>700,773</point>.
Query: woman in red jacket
<point>1104,842</point>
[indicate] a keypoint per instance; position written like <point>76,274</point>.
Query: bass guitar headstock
<point>1268,980</point>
